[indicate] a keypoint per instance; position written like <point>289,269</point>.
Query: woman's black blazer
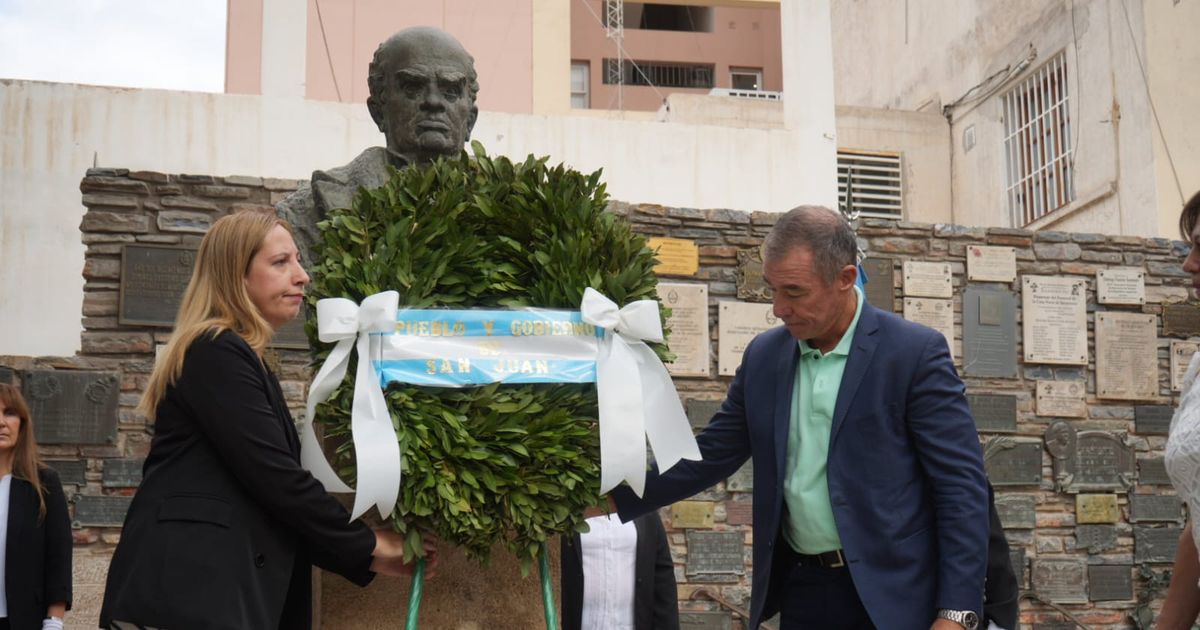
<point>37,561</point>
<point>225,526</point>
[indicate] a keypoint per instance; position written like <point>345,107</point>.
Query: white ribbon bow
<point>375,447</point>
<point>636,395</point>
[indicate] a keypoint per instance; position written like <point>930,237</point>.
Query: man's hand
<point>388,557</point>
<point>945,624</point>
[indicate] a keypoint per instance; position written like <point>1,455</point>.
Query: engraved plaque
<point>1181,358</point>
<point>928,279</point>
<point>1054,312</point>
<point>676,256</point>
<point>91,511</point>
<point>692,515</point>
<point>122,473</point>
<point>1181,319</point>
<point>1126,356</point>
<point>1089,460</point>
<point>750,283</point>
<point>739,512</point>
<point>881,283</point>
<point>1096,508</point>
<point>1155,544</point>
<point>1152,419</point>
<point>1060,581</point>
<point>1096,538</point>
<point>743,479</point>
<point>705,620</point>
<point>995,413</point>
<point>1013,463</point>
<point>989,333</point>
<point>1152,471</point>
<point>689,327</point>
<point>1110,582</point>
<point>1161,508</point>
<point>991,264</point>
<point>1016,511</point>
<point>699,412</point>
<point>715,553</point>
<point>291,335</point>
<point>153,278</point>
<point>936,314</point>
<point>1064,399</point>
<point>72,407</point>
<point>1121,285</point>
<point>69,471</point>
<point>737,324</point>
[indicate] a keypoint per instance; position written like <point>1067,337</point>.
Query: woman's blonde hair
<point>216,299</point>
<point>26,460</point>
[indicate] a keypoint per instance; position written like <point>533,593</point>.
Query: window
<point>664,17</point>
<point>1037,144</point>
<point>661,74</point>
<point>746,79</point>
<point>579,85</point>
<point>870,184</point>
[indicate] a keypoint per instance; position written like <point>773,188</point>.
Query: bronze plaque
<point>72,407</point>
<point>1126,356</point>
<point>692,515</point>
<point>1152,471</point>
<point>1060,581</point>
<point>1181,319</point>
<point>994,413</point>
<point>70,472</point>
<point>676,256</point>
<point>153,278</point>
<point>1155,544</point>
<point>1110,582</point>
<point>881,283</point>
<point>1152,419</point>
<point>1089,460</point>
<point>1096,508</point>
<point>714,553</point>
<point>1013,463</point>
<point>750,283</point>
<point>1016,511</point>
<point>122,473</point>
<point>1161,508</point>
<point>93,511</point>
<point>1096,538</point>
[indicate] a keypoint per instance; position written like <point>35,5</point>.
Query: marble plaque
<point>1181,319</point>
<point>153,278</point>
<point>928,279</point>
<point>1181,357</point>
<point>1063,399</point>
<point>994,413</point>
<point>715,553</point>
<point>122,473</point>
<point>689,327</point>
<point>1096,508</point>
<point>881,283</point>
<point>737,325</point>
<point>676,256</point>
<point>1060,581</point>
<point>750,283</point>
<point>705,620</point>
<point>1054,312</point>
<point>93,511</point>
<point>743,479</point>
<point>1126,356</point>
<point>991,264</point>
<point>1121,285</point>
<point>1152,419</point>
<point>1152,472</point>
<point>989,333</point>
<point>739,512</point>
<point>700,411</point>
<point>70,472</point>
<point>1155,544</point>
<point>1013,463</point>
<point>1110,582</point>
<point>936,314</point>
<point>1096,538</point>
<point>1089,460</point>
<point>1016,511</point>
<point>1155,508</point>
<point>72,407</point>
<point>692,515</point>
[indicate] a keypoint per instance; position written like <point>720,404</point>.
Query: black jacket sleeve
<point>666,593</point>
<point>57,581</point>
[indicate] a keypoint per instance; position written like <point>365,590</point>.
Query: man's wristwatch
<point>965,618</point>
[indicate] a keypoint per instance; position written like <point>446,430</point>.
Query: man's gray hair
<point>825,233</point>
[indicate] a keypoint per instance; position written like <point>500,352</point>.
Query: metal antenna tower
<point>614,29</point>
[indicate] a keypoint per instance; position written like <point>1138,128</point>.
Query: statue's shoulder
<point>368,170</point>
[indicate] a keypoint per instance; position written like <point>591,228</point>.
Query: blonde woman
<point>225,527</point>
<point>35,531</point>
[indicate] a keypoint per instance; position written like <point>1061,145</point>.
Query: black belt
<point>830,559</point>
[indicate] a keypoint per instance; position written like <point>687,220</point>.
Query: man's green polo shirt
<point>810,527</point>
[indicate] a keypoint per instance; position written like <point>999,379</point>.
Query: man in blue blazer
<point>870,501</point>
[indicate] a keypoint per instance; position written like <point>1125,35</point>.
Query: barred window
<point>870,184</point>
<point>661,74</point>
<point>1037,144</point>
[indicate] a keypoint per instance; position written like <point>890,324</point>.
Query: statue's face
<point>427,111</point>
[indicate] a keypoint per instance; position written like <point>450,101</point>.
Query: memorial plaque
<point>92,511</point>
<point>1126,356</point>
<point>750,283</point>
<point>989,333</point>
<point>689,327</point>
<point>743,479</point>
<point>994,413</point>
<point>1063,399</point>
<point>1151,508</point>
<point>881,283</point>
<point>692,515</point>
<point>737,324</point>
<point>1152,471</point>
<point>1054,312</point>
<point>928,279</point>
<point>1060,581</point>
<point>122,473</point>
<point>936,314</point>
<point>1181,358</point>
<point>1181,319</point>
<point>991,264</point>
<point>1013,463</point>
<point>153,278</point>
<point>1110,582</point>
<point>715,553</point>
<point>676,256</point>
<point>1089,460</point>
<point>705,620</point>
<point>700,411</point>
<point>1121,285</point>
<point>72,407</point>
<point>1152,419</point>
<point>1096,538</point>
<point>291,335</point>
<point>70,472</point>
<point>1016,511</point>
<point>739,512</point>
<point>1155,544</point>
<point>1096,508</point>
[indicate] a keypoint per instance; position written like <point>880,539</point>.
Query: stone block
<point>190,203</point>
<point>102,268</point>
<point>184,221</point>
<point>103,221</point>
<point>100,303</point>
<point>1056,251</point>
<point>93,200</point>
<point>221,192</point>
<point>117,343</point>
<point>150,176</point>
<point>244,180</point>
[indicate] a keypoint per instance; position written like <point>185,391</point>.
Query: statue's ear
<point>376,112</point>
<point>471,122</point>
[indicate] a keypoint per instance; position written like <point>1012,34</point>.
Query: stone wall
<point>1042,524</point>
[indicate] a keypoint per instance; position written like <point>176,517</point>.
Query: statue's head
<point>422,93</point>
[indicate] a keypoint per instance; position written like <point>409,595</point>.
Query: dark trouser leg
<point>819,598</point>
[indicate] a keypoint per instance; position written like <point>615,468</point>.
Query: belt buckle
<point>841,560</point>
